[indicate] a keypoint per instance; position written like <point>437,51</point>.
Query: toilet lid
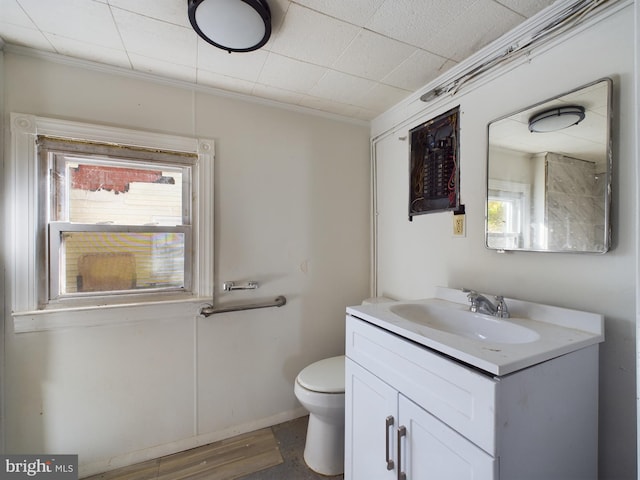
<point>326,376</point>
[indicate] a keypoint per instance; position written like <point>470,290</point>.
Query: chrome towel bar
<point>279,301</point>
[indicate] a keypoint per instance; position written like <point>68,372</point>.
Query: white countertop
<point>560,331</point>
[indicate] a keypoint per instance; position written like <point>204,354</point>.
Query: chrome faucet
<point>481,304</point>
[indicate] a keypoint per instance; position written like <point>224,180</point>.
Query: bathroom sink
<point>444,323</point>
<point>464,323</point>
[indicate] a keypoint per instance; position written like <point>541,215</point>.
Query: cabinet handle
<point>402,432</point>
<point>388,423</point>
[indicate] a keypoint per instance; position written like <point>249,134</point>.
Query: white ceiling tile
<point>372,55</point>
<point>482,22</point>
<point>364,114</point>
<point>418,70</point>
<point>341,87</point>
<point>27,37</point>
<point>162,68</point>
<point>380,97</point>
<point>278,10</point>
<point>277,94</point>
<point>357,12</point>
<point>156,39</point>
<point>13,14</point>
<point>78,19</point>
<point>290,74</point>
<point>166,10</point>
<point>330,106</point>
<point>245,65</point>
<point>413,21</point>
<point>585,97</point>
<point>224,82</point>
<point>361,113</point>
<point>526,7</point>
<point>97,53</point>
<point>307,35</point>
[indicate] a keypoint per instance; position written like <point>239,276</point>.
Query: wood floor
<point>274,453</point>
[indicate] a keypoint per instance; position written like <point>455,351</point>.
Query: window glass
<point>111,261</point>
<point>94,191</point>
<point>504,218</point>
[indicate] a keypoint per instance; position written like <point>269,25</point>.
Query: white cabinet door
<point>458,396</point>
<point>371,421</point>
<point>431,450</point>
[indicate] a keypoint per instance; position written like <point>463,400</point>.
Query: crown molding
<point>182,84</point>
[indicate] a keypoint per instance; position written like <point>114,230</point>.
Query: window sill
<point>97,315</point>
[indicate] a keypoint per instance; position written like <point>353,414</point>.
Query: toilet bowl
<point>320,389</point>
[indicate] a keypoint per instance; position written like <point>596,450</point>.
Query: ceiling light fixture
<point>232,25</point>
<point>556,118</point>
<point>533,33</point>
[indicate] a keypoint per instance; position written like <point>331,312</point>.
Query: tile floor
<point>228,459</point>
<point>290,437</point>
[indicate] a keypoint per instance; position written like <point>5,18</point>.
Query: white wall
<point>636,104</point>
<point>291,212</point>
<point>2,305</point>
<point>414,257</point>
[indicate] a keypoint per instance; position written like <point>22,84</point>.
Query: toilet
<point>320,389</point>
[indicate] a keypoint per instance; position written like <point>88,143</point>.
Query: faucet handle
<point>471,294</point>
<point>473,299</point>
<point>501,307</point>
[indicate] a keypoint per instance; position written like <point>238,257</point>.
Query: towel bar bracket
<point>230,286</point>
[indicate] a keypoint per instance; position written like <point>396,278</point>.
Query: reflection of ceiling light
<point>232,25</point>
<point>556,119</point>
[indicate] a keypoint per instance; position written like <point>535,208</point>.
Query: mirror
<point>549,175</point>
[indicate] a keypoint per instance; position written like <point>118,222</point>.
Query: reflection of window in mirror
<point>507,213</point>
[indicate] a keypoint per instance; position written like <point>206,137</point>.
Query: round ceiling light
<point>556,118</point>
<point>232,25</point>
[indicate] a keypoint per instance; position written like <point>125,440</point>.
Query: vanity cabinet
<point>414,413</point>
<point>414,443</point>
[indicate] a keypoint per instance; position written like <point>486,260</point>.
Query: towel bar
<point>211,310</point>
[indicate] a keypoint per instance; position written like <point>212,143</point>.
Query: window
<point>105,216</point>
<point>505,220</point>
<point>118,220</point>
<point>507,213</point>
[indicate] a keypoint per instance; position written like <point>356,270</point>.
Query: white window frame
<point>54,207</point>
<point>22,212</point>
<point>518,194</point>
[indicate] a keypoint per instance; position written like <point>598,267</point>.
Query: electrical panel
<point>434,165</point>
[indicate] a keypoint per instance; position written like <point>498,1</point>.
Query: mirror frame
<point>608,162</point>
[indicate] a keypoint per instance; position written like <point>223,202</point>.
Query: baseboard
<point>93,468</point>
